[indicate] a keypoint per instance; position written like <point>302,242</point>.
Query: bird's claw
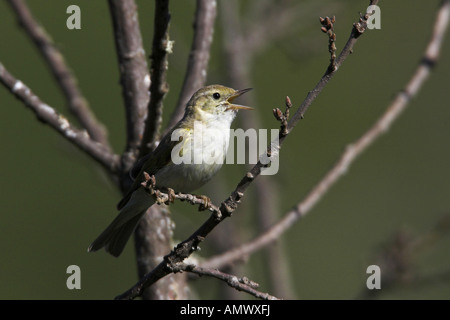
<point>206,203</point>
<point>171,195</point>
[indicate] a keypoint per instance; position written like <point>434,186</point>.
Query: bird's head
<point>216,100</point>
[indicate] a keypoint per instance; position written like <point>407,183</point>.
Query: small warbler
<point>211,111</point>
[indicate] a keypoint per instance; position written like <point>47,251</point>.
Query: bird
<point>187,157</point>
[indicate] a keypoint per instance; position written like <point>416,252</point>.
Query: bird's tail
<point>116,235</point>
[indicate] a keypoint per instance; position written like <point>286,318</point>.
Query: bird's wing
<point>151,164</point>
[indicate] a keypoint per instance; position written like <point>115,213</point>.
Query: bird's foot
<point>206,203</point>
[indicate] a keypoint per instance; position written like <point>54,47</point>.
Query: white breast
<point>204,152</point>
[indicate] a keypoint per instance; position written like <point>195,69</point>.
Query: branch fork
<point>283,117</point>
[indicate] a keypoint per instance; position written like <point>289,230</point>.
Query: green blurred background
<point>55,200</point>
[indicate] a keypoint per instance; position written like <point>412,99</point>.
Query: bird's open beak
<point>238,93</point>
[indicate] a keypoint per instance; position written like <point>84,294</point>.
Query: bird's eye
<point>216,95</point>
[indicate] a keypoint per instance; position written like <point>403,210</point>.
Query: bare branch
<point>358,29</point>
<point>134,76</point>
<point>238,69</point>
<point>195,76</point>
<point>185,248</point>
<point>162,47</point>
<point>168,197</point>
<point>49,116</point>
<point>77,103</point>
<point>328,28</point>
<point>393,111</point>
<point>273,150</point>
<point>240,284</point>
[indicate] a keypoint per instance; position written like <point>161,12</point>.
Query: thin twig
<point>49,116</point>
<point>283,117</point>
<point>328,28</point>
<point>195,76</point>
<point>161,49</point>
<point>185,248</point>
<point>273,150</point>
<point>240,284</point>
<point>77,103</point>
<point>239,55</point>
<point>392,112</point>
<point>134,75</point>
<point>168,197</point>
